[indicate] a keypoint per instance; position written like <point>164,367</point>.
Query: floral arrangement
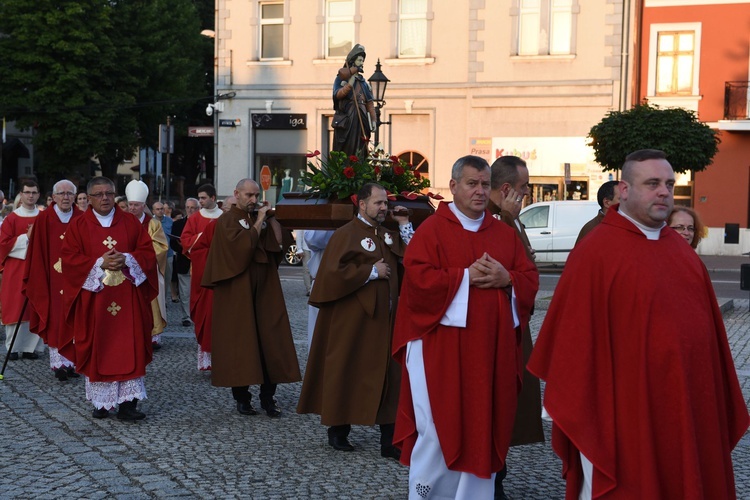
<point>341,176</point>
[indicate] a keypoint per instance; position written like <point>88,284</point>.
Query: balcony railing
<point>737,100</point>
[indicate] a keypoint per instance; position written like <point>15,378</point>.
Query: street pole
<point>377,124</point>
<point>169,148</point>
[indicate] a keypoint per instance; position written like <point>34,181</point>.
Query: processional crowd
<point>423,332</point>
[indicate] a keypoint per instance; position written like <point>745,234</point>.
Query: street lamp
<point>378,82</point>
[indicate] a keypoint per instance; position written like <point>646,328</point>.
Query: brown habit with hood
<point>528,424</point>
<point>250,322</point>
<point>351,377</point>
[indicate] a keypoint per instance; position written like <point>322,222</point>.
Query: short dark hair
<point>208,189</point>
<point>98,181</point>
<point>505,170</point>
<point>476,162</point>
<point>366,190</point>
<point>30,183</point>
<point>637,157</point>
<point>606,192</point>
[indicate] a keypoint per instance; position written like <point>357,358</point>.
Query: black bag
<point>341,120</point>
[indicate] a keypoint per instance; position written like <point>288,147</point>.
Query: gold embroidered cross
<point>114,308</point>
<point>109,242</point>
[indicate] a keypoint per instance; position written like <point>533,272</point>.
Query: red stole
<point>13,269</point>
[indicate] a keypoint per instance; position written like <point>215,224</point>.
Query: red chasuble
<point>112,327</point>
<point>201,299</point>
<point>43,281</point>
<point>473,374</point>
<point>10,293</point>
<point>639,374</point>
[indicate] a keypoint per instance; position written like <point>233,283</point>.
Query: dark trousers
<point>242,393</point>
<point>386,432</point>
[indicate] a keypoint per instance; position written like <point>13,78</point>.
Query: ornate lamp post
<point>378,82</point>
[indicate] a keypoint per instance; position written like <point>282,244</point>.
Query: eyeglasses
<point>99,196</point>
<point>67,194</point>
<point>29,192</point>
<point>680,228</point>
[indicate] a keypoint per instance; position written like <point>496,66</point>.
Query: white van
<point>554,225</point>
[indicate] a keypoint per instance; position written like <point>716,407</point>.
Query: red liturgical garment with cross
<point>112,327</point>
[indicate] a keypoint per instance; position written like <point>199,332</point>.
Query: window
<point>271,30</point>
<point>412,29</point>
<point>675,55</point>
<point>339,27</point>
<point>536,217</point>
<point>546,27</point>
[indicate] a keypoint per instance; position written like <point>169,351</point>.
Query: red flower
<point>354,199</point>
<point>314,154</point>
<point>394,159</point>
<point>398,170</point>
<point>353,158</point>
<point>434,196</point>
<point>377,170</point>
<point>408,195</point>
<point>417,174</point>
<point>349,172</point>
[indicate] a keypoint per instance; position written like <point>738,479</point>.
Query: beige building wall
<point>471,84</point>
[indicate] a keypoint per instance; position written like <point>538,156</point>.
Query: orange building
<point>695,54</point>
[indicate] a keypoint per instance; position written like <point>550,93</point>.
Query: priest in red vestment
<point>640,382</point>
<point>43,279</point>
<point>196,241</point>
<point>468,288</point>
<point>14,241</point>
<point>110,274</point>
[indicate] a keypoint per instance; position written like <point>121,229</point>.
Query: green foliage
<point>688,143</point>
<point>77,71</point>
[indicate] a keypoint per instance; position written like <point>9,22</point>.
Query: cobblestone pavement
<point>193,442</point>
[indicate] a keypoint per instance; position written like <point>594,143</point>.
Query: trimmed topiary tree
<point>690,145</point>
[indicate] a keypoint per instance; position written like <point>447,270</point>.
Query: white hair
<point>62,183</point>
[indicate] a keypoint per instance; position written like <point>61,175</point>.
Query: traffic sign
<point>265,178</point>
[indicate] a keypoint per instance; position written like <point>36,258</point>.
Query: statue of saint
<point>354,118</point>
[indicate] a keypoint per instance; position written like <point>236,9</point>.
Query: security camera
<point>210,109</point>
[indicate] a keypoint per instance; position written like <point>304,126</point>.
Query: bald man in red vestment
<point>468,289</point>
<point>109,265</point>
<point>640,382</point>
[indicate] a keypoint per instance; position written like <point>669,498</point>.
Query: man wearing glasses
<point>14,241</point>
<point>110,280</point>
<point>44,273</point>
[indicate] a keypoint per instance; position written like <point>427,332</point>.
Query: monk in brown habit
<point>252,340</point>
<point>509,183</point>
<point>351,377</point>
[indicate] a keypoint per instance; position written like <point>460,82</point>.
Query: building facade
<point>695,54</point>
<point>522,77</point>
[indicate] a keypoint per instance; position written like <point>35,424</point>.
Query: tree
<point>96,77</point>
<point>689,144</point>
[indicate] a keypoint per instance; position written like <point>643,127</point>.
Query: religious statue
<point>354,117</point>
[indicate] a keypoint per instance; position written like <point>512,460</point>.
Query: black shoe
<point>30,355</point>
<point>61,374</point>
<point>185,322</point>
<point>340,443</point>
<point>155,346</point>
<point>128,411</point>
<point>271,407</point>
<point>390,451</point>
<point>72,372</point>
<point>246,408</point>
<point>13,356</point>
<point>100,413</point>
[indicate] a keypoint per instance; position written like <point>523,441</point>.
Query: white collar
<point>650,232</point>
<point>212,213</point>
<point>63,216</point>
<point>21,211</point>
<point>468,223</point>
<point>105,220</point>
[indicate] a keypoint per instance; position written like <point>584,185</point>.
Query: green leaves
<point>688,143</point>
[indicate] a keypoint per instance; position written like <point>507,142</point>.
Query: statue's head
<point>357,50</point>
